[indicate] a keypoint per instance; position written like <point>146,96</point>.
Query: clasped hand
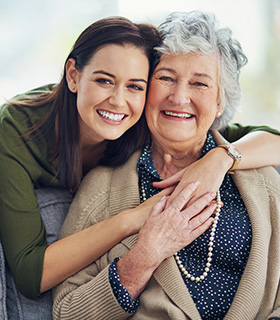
<point>167,229</point>
<point>170,228</point>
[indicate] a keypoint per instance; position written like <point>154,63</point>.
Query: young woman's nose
<point>117,97</point>
<point>180,94</point>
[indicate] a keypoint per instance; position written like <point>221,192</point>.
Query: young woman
<point>53,135</point>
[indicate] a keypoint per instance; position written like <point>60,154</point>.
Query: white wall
<point>36,36</point>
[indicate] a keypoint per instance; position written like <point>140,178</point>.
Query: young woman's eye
<point>104,81</point>
<point>136,87</point>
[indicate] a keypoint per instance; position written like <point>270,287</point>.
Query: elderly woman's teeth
<point>178,115</point>
<point>111,116</point>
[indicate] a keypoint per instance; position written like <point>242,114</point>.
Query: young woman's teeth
<point>111,116</point>
<point>178,115</point>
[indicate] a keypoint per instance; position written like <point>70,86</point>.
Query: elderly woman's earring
<point>219,114</point>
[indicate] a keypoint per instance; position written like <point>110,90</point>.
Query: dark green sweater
<point>25,164</point>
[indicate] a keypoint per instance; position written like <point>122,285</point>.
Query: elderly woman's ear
<point>219,110</point>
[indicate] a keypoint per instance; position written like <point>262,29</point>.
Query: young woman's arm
<point>258,149</point>
<point>69,255</point>
<point>25,166</point>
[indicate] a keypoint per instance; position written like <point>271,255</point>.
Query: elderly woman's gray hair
<point>197,32</point>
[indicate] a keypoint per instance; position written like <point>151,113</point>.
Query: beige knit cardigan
<point>107,191</point>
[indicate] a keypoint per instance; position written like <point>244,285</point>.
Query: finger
<point>200,218</point>
<point>159,206</point>
<point>166,192</point>
<point>201,229</point>
<point>197,195</point>
<point>183,197</point>
<point>171,181</point>
<point>214,201</point>
<point>196,207</point>
<point>177,189</point>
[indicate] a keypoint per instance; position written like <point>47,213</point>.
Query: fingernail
<point>163,198</point>
<point>196,183</point>
<point>213,194</point>
<point>214,205</point>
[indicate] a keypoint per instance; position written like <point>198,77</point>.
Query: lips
<point>111,116</point>
<point>181,115</point>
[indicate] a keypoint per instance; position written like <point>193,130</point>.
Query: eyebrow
<point>165,69</point>
<point>113,76</point>
<point>203,75</point>
<point>196,74</point>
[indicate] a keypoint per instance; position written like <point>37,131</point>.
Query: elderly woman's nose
<point>180,95</point>
<point>117,97</point>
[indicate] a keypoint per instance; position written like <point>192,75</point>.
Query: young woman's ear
<point>71,75</point>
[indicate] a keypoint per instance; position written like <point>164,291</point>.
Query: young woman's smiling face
<point>111,91</point>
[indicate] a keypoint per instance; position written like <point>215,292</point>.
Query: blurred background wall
<point>36,36</point>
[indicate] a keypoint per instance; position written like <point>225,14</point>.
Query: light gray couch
<point>54,204</point>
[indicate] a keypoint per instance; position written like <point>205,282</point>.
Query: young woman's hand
<point>136,217</point>
<point>209,170</point>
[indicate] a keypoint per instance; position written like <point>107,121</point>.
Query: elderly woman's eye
<point>165,78</point>
<point>200,84</point>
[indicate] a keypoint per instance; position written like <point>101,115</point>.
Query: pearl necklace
<point>210,247</point>
<point>144,197</point>
<point>210,244</point>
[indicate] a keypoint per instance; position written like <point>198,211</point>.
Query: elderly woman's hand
<point>166,231</point>
<point>209,170</point>
<point>136,217</point>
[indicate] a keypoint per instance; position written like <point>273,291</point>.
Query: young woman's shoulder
<point>236,131</point>
<point>35,92</point>
<point>17,115</point>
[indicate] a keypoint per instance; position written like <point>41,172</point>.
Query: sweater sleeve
<point>88,294</point>
<point>21,228</point>
<point>234,132</point>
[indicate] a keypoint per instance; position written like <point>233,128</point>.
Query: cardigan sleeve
<point>270,307</point>
<point>275,315</point>
<point>88,294</point>
<point>275,207</point>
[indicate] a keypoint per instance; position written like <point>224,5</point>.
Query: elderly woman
<point>177,267</point>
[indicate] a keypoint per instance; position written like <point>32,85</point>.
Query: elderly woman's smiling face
<point>183,99</point>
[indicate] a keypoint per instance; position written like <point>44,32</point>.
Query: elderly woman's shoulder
<point>104,174</point>
<point>256,180</point>
<point>271,177</point>
<point>101,179</point>
<point>94,200</point>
